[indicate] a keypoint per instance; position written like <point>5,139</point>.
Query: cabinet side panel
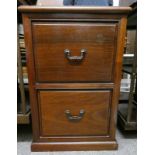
<point>117,74</point>
<point>31,75</point>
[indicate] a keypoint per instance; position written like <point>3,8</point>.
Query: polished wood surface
<point>51,39</point>
<point>54,121</point>
<point>72,146</point>
<point>73,86</point>
<point>76,9</point>
<point>47,33</point>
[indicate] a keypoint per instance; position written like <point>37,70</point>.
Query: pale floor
<point>127,145</point>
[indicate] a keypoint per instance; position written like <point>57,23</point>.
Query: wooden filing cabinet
<point>74,58</point>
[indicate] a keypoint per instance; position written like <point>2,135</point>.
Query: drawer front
<point>74,52</point>
<point>78,113</point>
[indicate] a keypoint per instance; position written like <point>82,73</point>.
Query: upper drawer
<point>74,52</point>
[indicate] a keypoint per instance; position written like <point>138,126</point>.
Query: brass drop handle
<point>74,118</point>
<point>75,58</point>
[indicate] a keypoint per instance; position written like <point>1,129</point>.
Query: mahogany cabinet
<point>74,58</point>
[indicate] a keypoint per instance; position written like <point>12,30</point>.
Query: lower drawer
<point>74,113</point>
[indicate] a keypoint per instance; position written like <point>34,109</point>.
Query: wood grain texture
<point>117,74</point>
<point>73,86</point>
<point>95,121</point>
<point>82,146</point>
<point>76,9</point>
<point>51,39</point>
<point>74,27</point>
<point>31,76</point>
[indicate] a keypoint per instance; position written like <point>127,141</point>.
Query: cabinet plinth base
<point>73,146</point>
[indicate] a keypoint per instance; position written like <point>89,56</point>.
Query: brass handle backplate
<point>74,118</point>
<point>75,58</point>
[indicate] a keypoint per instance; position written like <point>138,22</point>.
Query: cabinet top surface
<point>75,9</point>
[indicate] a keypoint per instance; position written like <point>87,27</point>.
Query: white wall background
<point>115,2</point>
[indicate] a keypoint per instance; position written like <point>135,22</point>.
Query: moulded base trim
<point>73,146</point>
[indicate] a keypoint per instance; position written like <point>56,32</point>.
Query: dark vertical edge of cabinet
<point>117,72</point>
<point>31,76</point>
<point>23,108</point>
